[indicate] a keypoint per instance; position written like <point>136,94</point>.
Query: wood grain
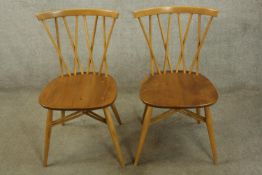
<point>80,92</point>
<point>178,90</point>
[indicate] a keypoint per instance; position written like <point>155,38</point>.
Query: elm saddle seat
<point>83,91</point>
<point>178,90</point>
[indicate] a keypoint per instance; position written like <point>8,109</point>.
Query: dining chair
<point>177,90</point>
<point>81,90</point>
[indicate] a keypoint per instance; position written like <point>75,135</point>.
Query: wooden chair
<point>175,89</point>
<point>83,90</point>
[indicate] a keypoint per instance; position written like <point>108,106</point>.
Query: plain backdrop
<point>231,57</point>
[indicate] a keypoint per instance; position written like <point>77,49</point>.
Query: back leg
<point>198,112</point>
<point>116,114</point>
<point>63,116</point>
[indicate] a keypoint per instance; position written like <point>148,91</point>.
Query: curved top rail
<point>76,12</point>
<point>175,9</point>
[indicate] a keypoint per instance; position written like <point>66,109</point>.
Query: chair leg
<point>143,134</point>
<point>198,112</point>
<point>144,113</point>
<point>62,116</point>
<point>47,135</point>
<point>113,106</point>
<point>114,136</point>
<point>211,133</point>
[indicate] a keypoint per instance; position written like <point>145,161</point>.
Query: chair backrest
<point>90,41</point>
<point>177,10</point>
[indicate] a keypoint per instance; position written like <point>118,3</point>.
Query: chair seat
<point>178,90</point>
<point>87,91</point>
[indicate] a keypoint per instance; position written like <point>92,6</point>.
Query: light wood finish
<point>182,40</point>
<point>95,116</point>
<point>80,92</point>
<point>179,88</point>
<point>163,116</point>
<point>48,130</point>
<point>89,45</point>
<point>198,113</point>
<point>77,114</point>
<point>113,106</point>
<point>106,44</point>
<point>178,10</point>
<point>58,50</point>
<point>192,115</point>
<point>81,89</point>
<point>58,44</point>
<point>166,42</point>
<point>76,12</point>
<point>74,44</point>
<point>211,133</point>
<point>67,118</point>
<point>63,14</point>
<point>144,113</point>
<point>143,134</point>
<point>175,9</point>
<point>62,117</point>
<point>114,136</point>
<point>200,44</point>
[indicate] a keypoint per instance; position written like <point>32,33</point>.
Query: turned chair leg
<point>198,112</point>
<point>114,136</point>
<point>47,135</point>
<point>211,133</point>
<point>143,134</point>
<point>63,116</point>
<point>116,114</point>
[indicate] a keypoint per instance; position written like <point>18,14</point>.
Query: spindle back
<point>90,41</point>
<point>177,11</point>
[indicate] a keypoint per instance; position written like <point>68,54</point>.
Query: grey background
<point>230,58</point>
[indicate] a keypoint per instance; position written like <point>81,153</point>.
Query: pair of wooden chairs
<point>88,89</point>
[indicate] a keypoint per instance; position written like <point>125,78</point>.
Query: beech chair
<point>178,90</point>
<point>82,90</point>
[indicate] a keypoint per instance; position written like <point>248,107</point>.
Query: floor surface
<point>177,145</point>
